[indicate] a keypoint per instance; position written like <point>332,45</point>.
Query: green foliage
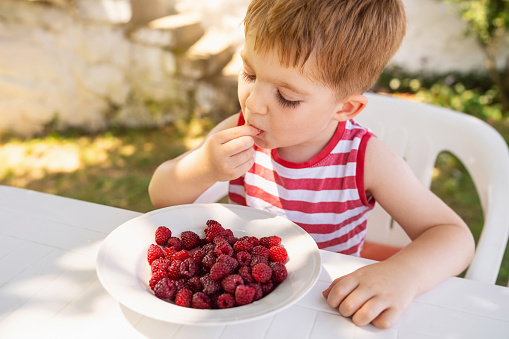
<point>488,22</point>
<point>471,93</point>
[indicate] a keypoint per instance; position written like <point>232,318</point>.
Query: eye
<point>248,77</point>
<point>285,102</point>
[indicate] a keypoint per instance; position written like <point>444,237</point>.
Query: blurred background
<point>94,94</point>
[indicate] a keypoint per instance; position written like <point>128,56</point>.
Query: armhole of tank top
<point>359,175</point>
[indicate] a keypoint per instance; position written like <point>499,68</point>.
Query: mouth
<point>259,130</point>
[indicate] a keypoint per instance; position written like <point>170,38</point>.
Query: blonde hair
<point>350,41</point>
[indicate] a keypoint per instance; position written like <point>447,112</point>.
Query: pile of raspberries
<point>217,271</point>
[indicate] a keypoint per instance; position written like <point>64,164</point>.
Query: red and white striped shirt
<point>325,195</point>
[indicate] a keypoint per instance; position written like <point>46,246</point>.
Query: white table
<point>49,287</point>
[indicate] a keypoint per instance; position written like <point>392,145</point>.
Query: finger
<point>369,311</point>
<point>341,289</point>
<point>387,318</point>
<point>238,145</point>
<point>243,156</point>
<point>354,301</point>
<point>236,132</point>
<point>327,291</point>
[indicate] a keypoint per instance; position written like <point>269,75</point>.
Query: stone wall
<point>87,64</point>
<point>94,63</point>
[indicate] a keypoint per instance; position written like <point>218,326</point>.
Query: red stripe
<point>344,238</point>
<point>360,171</point>
<point>328,228</point>
<point>334,207</point>
<point>312,184</point>
<point>238,199</point>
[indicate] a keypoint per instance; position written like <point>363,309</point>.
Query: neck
<point>306,151</point>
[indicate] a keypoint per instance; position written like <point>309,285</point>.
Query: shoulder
<point>383,166</point>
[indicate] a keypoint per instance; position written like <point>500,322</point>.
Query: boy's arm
<point>442,245</point>
<point>225,154</point>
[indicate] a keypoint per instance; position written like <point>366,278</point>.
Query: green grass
<point>114,168</point>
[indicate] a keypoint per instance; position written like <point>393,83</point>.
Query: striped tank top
<point>325,195</point>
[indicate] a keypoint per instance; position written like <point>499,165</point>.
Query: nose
<point>255,102</point>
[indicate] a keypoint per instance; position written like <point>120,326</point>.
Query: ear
<point>350,107</point>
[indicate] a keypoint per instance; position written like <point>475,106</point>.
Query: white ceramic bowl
<point>124,272</point>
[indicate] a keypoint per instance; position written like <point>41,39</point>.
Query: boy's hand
<point>228,154</point>
<point>377,294</point>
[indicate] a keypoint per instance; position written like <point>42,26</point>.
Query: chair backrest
<point>418,133</point>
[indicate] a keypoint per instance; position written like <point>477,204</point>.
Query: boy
<point>294,150</point>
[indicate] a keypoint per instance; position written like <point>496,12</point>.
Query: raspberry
<point>231,262</point>
<point>219,270</point>
<point>242,246</point>
<point>279,272</point>
<point>182,284</point>
<point>212,222</point>
<point>231,239</point>
<point>174,270</point>
<point>153,253</point>
<point>219,240</point>
<point>201,301</point>
<point>165,289</point>
<point>271,241</point>
<point>168,252</point>
<point>261,251</point>
<point>159,264</point>
<point>243,258</point>
<point>195,284</point>
<point>267,287</point>
<point>210,286</point>
<point>208,247</point>
<point>197,254</point>
<point>245,274</point>
<point>189,239</point>
<point>184,297</point>
<point>258,291</point>
<point>163,233</point>
<point>231,282</point>
<point>278,254</point>
<point>174,242</point>
<point>181,255</point>
<point>261,273</point>
<point>258,259</point>
<point>213,231</point>
<point>223,248</point>
<point>208,260</point>
<point>188,268</point>
<point>156,276</point>
<point>225,300</point>
<point>244,295</point>
<point>254,241</point>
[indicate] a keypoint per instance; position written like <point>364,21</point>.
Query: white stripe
<point>341,232</point>
<point>354,241</point>
<point>237,189</point>
<point>332,195</point>
<point>305,218</point>
<point>329,171</point>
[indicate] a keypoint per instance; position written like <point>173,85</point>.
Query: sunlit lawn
<point>114,168</point>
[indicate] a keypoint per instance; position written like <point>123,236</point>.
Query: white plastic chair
<point>418,133</point>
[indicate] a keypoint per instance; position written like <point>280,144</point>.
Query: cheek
<point>242,93</point>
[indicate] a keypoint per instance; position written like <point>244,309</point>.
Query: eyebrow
<point>279,83</point>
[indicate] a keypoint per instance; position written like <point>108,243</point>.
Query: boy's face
<point>293,112</point>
